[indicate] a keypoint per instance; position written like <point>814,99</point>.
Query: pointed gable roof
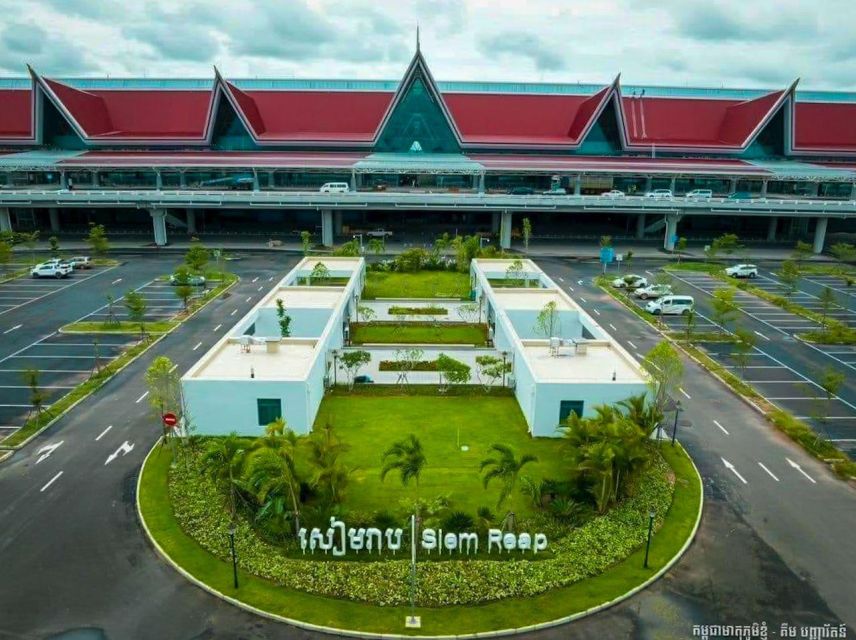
<point>17,116</point>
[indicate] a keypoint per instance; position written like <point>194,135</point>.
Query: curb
<point>364,634</point>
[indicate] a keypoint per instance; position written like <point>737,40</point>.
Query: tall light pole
<point>675,426</point>
<point>234,556</point>
<point>360,236</point>
<point>651,515</point>
<point>413,621</point>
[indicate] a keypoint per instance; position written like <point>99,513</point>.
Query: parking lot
<point>162,303</point>
<point>63,362</point>
<point>847,295</point>
<point>24,290</point>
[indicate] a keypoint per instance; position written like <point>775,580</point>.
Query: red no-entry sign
<point>170,420</point>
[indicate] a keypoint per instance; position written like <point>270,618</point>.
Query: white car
<point>335,187</point>
<point>380,232</point>
<point>80,262</point>
<point>699,194</point>
<point>614,194</point>
<point>742,271</point>
<point>653,291</point>
<point>630,281</point>
<point>660,194</point>
<point>671,306</point>
<point>51,270</point>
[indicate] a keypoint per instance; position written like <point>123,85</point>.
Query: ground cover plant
<point>418,333</point>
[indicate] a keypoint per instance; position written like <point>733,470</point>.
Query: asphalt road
<point>75,564</point>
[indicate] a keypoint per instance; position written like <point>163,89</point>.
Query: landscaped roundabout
<point>305,510</point>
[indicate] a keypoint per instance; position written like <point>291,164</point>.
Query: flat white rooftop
<point>333,263</point>
<point>305,297</point>
<point>597,365</point>
<point>531,299</point>
<point>502,264</point>
<point>231,361</point>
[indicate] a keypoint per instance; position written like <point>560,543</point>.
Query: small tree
<point>30,240</point>
<point>527,233</point>
<point>666,370</point>
<point>197,257</point>
<point>605,241</point>
<point>689,323</point>
<point>406,360</point>
<point>184,292</point>
<point>802,250</point>
<point>514,271</point>
<point>724,307</point>
<point>469,312</point>
<point>408,458</point>
<point>283,319</point>
<point>350,249</point>
<point>37,396</point>
<point>727,243</point>
<point>97,240</point>
<point>505,467</point>
<point>680,247</point>
<point>830,381</point>
<point>827,301</point>
<point>53,242</point>
<point>377,245</point>
<point>5,256</point>
<point>319,272</point>
<point>490,369</point>
<point>547,323</point>
<point>743,347</point>
<point>112,320</point>
<point>843,251</point>
<point>136,306</point>
<point>351,362</point>
<point>365,313</point>
<point>452,371</point>
<point>789,275</point>
<point>164,388</point>
<point>306,241</point>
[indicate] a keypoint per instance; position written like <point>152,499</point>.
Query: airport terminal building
<point>209,155</point>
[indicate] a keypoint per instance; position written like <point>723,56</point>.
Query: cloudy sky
<point>762,43</point>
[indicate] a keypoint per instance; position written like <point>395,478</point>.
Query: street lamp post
<point>504,356</point>
<point>360,236</point>
<point>482,241</point>
<point>234,556</point>
<point>651,515</point>
<point>675,426</point>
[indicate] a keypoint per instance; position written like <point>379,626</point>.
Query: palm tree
<point>505,467</point>
<point>330,473</point>
<point>645,415</point>
<point>272,475</point>
<point>597,461</point>
<point>223,462</point>
<point>628,447</point>
<point>407,457</point>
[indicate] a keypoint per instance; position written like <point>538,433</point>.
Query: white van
<point>335,187</point>
<point>671,305</point>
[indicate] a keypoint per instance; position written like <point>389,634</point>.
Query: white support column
<point>159,226</point>
<point>158,180</point>
<point>481,183</point>
<point>182,180</point>
<point>672,184</point>
<point>640,226</point>
<point>505,230</point>
<point>191,220</point>
<point>63,180</point>
<point>820,235</point>
<point>353,180</point>
<point>327,228</point>
<point>255,180</point>
<point>5,220</point>
<point>578,185</point>
<point>853,191</point>
<point>771,226</point>
<point>649,184</point>
<point>764,189</point>
<point>671,231</point>
<point>337,223</point>
<point>494,222</point>
<point>53,213</point>
<point>732,186</point>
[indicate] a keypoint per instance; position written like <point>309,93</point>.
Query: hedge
<point>418,311</point>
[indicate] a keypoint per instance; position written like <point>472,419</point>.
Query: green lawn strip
<point>809,439</point>
<point>421,284</point>
<point>418,311</point>
<point>517,283</point>
<point>81,391</point>
<point>418,390</point>
<point>13,275</point>
<point>123,326</point>
<point>422,365</point>
<point>418,333</point>
<point>840,462</point>
<point>831,335</point>
<point>678,525</point>
<point>841,270</point>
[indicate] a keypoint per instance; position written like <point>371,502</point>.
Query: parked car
<point>630,281</point>
<point>191,280</point>
<point>380,232</point>
<point>363,380</point>
<point>556,191</point>
<point>335,187</point>
<point>614,194</point>
<point>742,271</point>
<point>52,269</point>
<point>653,291</point>
<point>671,305</point>
<point>521,191</point>
<point>81,262</point>
<point>740,195</point>
<point>660,194</point>
<point>699,194</point>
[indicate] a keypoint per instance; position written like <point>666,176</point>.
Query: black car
<point>522,191</point>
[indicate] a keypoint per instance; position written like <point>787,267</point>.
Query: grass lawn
<point>678,525</point>
<point>121,327</point>
<point>418,333</point>
<point>422,284</point>
<point>364,421</point>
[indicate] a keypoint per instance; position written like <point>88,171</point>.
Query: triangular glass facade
<point>57,132</point>
<point>417,124</point>
<point>770,142</point>
<point>229,132</point>
<point>603,138</point>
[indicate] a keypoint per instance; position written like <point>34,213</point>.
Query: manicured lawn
<point>680,520</point>
<point>418,333</point>
<point>365,421</point>
<point>120,327</point>
<point>422,284</point>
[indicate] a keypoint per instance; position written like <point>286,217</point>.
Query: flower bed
<point>418,311</point>
<point>584,552</point>
<point>422,365</point>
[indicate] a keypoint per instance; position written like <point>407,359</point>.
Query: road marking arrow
<point>46,451</point>
<point>731,468</point>
<point>124,449</point>
<point>799,468</point>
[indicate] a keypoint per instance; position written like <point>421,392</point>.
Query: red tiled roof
<point>825,125</point>
<point>606,164</point>
<point>144,114</point>
<point>241,159</point>
<point>16,113</point>
<point>488,118</point>
<point>312,115</point>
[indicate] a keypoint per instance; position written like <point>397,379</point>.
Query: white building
<point>575,368</point>
<point>253,375</point>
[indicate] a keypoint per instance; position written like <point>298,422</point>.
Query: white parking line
<point>17,326</point>
<point>570,287</point>
<point>233,312</point>
<point>140,399</point>
<point>596,311</point>
<point>688,396</point>
<point>196,347</point>
<point>583,299</point>
<point>116,281</point>
<point>260,288</point>
<point>103,433</point>
<point>217,328</point>
<point>50,482</point>
<point>724,430</point>
<point>762,335</point>
<point>254,280</point>
<point>633,346</point>
<point>761,464</point>
<point>612,326</point>
<point>270,279</point>
<point>249,298</point>
<point>173,368</point>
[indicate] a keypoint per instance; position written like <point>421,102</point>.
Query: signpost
<point>169,420</point>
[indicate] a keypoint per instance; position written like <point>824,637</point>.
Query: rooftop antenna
<point>417,37</point>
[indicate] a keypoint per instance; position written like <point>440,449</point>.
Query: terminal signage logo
<point>338,539</point>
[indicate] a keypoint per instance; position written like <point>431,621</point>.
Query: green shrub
<point>458,522</point>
